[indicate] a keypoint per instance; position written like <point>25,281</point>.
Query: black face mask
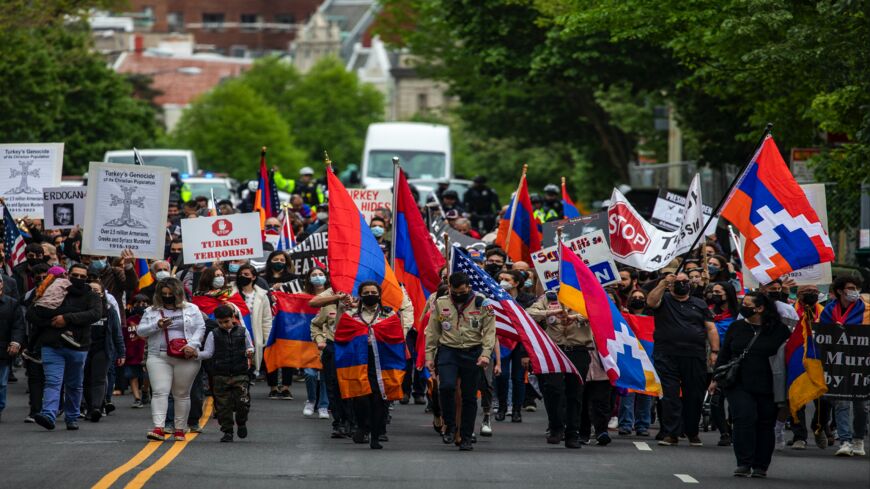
<point>682,287</point>
<point>370,300</point>
<point>636,304</point>
<point>778,296</point>
<point>168,300</point>
<point>173,256</point>
<point>492,268</point>
<point>34,261</point>
<point>243,281</point>
<point>717,300</point>
<point>278,266</point>
<point>78,283</point>
<point>747,312</point>
<point>810,298</point>
<point>460,298</point>
<point>137,311</point>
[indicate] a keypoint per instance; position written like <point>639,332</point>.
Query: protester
<point>514,361</point>
<point>635,408</point>
<point>723,304</point>
<point>106,345</point>
<point>259,304</point>
<point>277,272</point>
<point>134,348</point>
<point>315,385</point>
<point>11,338</point>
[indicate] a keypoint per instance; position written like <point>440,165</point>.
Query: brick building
<point>241,28</point>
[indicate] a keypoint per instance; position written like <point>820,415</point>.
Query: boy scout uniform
<point>460,335</point>
<point>323,330</point>
<point>323,324</point>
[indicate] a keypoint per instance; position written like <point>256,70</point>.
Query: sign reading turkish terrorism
<point>222,238</point>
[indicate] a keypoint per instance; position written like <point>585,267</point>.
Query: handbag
<point>727,375</point>
<point>174,347</point>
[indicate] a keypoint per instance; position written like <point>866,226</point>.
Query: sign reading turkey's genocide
<point>25,169</point>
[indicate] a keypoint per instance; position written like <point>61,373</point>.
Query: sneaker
<point>530,408</point>
<point>419,400</point>
<point>466,445</point>
<point>227,438</point>
<point>274,394</point>
<point>517,417</point>
<point>323,413</point>
<point>572,442</point>
<point>31,356</point>
<point>624,432</point>
<point>178,435</point>
<point>406,399</point>
<point>308,410</point>
<point>821,439</point>
<point>779,434</point>
<point>643,433</point>
<point>195,428</point>
<point>109,408</point>
<point>759,473</point>
<point>137,404</point>
<point>95,415</point>
<point>613,423</point>
<point>44,421</point>
<point>72,426</point>
<point>845,449</point>
<point>156,434</point>
<point>695,441</point>
<point>603,439</point>
<point>68,337</point>
<point>500,415</point>
<point>448,438</point>
<point>743,471</point>
<point>799,445</point>
<point>286,395</point>
<point>242,431</point>
<point>486,426</point>
<point>670,441</point>
<point>858,448</point>
<point>29,419</point>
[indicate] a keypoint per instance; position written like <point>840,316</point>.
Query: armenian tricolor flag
<point>207,304</point>
<point>568,208</point>
<point>266,198</point>
<point>354,255</point>
<point>352,356</point>
<point>805,378</point>
<point>289,343</point>
<point>144,273</point>
<point>518,231</point>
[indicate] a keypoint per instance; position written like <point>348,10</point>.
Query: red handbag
<point>174,347</point>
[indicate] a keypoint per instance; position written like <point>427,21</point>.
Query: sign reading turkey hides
<point>222,238</point>
<point>25,170</point>
<point>125,208</point>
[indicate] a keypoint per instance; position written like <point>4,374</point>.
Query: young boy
<point>135,348</point>
<point>230,348</point>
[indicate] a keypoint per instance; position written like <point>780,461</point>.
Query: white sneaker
<point>486,426</point>
<point>613,423</point>
<point>308,410</point>
<point>780,438</point>
<point>858,448</point>
<point>845,450</point>
<point>323,413</point>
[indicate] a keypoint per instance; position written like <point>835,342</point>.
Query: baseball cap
<point>306,170</point>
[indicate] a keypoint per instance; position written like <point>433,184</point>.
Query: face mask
<point>810,298</point>
<point>506,285</point>
<point>528,284</point>
<point>137,311</point>
<point>636,304</point>
<point>851,296</point>
<point>34,261</point>
<point>747,312</point>
<point>681,287</point>
<point>378,231</point>
<point>318,280</point>
<point>717,300</point>
<point>234,267</point>
<point>492,268</point>
<point>713,270</point>
<point>162,274</point>
<point>168,300</point>
<point>173,256</point>
<point>272,228</point>
<point>78,283</point>
<point>243,281</point>
<point>460,298</point>
<point>98,264</point>
<point>370,300</point>
<point>278,265</point>
<point>218,282</point>
<point>322,216</point>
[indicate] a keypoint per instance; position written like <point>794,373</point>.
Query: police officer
<point>462,332</point>
<point>571,332</point>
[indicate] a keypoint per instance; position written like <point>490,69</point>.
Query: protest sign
<point>667,213</point>
<point>307,253</point>
<point>591,248</point>
<point>367,200</point>
<point>222,238</point>
<point>64,207</point>
<point>25,170</point>
<point>125,208</point>
<point>574,228</point>
<point>845,351</point>
<point>639,244</point>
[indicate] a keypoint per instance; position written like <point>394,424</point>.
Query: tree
<point>228,125</point>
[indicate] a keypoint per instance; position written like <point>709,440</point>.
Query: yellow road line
<point>143,477</point>
<point>137,459</point>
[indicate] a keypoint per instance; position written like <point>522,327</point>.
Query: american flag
<point>512,321</point>
<point>13,242</point>
<point>286,239</point>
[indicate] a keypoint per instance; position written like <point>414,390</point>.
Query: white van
<point>181,160</point>
<point>423,151</point>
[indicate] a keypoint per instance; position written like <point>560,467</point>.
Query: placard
<point>574,228</point>
<point>591,248</point>
<point>667,213</point>
<point>307,253</point>
<point>222,238</point>
<point>125,208</point>
<point>844,355</point>
<point>64,207</point>
<point>25,170</point>
<point>368,200</point>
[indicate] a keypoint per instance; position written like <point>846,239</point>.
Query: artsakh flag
<point>352,356</point>
<point>207,304</point>
<point>354,255</point>
<point>144,273</point>
<point>289,343</point>
<point>524,233</point>
<point>417,261</point>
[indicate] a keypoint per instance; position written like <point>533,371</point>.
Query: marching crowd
<point>86,331</point>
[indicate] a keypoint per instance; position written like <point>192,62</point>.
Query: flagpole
<point>726,195</point>
<point>735,242</point>
<point>507,240</point>
<point>448,255</point>
<point>393,211</point>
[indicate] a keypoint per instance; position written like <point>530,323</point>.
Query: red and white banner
<point>222,238</point>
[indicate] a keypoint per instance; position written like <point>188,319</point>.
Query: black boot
<point>517,416</point>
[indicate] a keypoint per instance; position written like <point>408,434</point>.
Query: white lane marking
<point>688,479</point>
<point>642,446</point>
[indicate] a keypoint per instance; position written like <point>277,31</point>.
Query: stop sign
<point>222,227</point>
<point>627,234</point>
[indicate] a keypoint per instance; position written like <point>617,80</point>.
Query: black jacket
<point>80,309</point>
<point>481,201</point>
<point>755,373</point>
<point>11,324</point>
<point>230,351</point>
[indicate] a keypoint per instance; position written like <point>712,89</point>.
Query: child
<point>135,345</point>
<point>230,348</point>
<point>48,297</point>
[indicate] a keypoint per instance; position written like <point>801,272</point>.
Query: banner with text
<point>25,170</point>
<point>222,238</point>
<point>591,248</point>
<point>125,208</point>
<point>309,252</point>
<point>64,207</point>
<point>367,200</point>
<point>845,351</point>
<point>574,228</point>
<point>667,213</point>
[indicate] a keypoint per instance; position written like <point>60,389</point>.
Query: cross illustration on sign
<point>126,220</point>
<point>23,172</point>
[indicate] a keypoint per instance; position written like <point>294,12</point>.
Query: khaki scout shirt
<point>323,324</point>
<point>406,312</point>
<point>574,332</point>
<point>475,326</point>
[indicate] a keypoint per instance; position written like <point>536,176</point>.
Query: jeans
<point>4,380</point>
<point>635,412</point>
<point>851,417</point>
<point>512,378</point>
<point>312,382</point>
<point>62,366</point>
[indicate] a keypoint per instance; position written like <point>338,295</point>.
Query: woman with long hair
<point>260,306</point>
<point>106,345</point>
<point>723,304</point>
<point>277,271</point>
<point>315,283</point>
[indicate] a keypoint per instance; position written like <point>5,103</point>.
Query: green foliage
<point>54,89</point>
<point>227,126</point>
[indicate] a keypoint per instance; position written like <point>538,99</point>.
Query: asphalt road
<point>284,449</point>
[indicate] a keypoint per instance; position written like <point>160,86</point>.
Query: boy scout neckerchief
<point>460,311</point>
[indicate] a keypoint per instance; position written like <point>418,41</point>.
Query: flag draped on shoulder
<point>626,361</point>
<point>569,210</point>
<point>266,198</point>
<point>513,322</point>
<point>805,379</point>
<point>417,260</point>
<point>289,343</point>
<point>783,232</point>
<point>518,232</point>
<point>352,356</point>
<point>354,255</point>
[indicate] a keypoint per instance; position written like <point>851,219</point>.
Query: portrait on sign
<point>64,207</point>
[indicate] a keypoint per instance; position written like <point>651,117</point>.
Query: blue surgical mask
<point>233,267</point>
<point>378,231</point>
<point>98,264</point>
<point>528,283</point>
<point>318,280</point>
<point>713,269</point>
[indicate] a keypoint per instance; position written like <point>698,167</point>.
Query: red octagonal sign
<point>627,234</point>
<point>222,227</point>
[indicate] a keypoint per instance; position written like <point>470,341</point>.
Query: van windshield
<point>417,164</point>
<point>178,163</point>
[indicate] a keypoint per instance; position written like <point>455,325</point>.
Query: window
<point>285,19</point>
<point>249,22</point>
<point>238,51</point>
<point>175,21</point>
<point>212,20</point>
<point>422,102</point>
